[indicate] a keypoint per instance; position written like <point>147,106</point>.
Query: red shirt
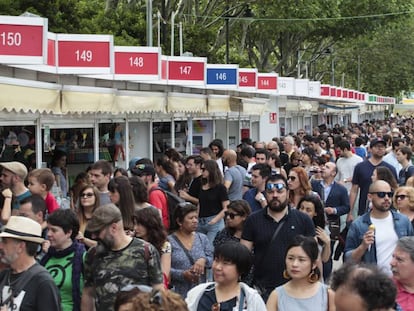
<point>404,298</point>
<point>51,203</point>
<point>157,198</point>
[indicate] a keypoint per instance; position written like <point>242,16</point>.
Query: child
<point>41,180</point>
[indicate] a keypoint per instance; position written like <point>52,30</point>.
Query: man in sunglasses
<point>373,236</point>
<point>269,231</point>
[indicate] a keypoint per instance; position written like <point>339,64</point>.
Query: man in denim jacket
<point>372,236</point>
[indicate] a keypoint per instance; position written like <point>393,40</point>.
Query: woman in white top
<point>231,261</point>
<point>303,291</point>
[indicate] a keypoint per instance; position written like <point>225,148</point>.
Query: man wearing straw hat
<point>25,285</point>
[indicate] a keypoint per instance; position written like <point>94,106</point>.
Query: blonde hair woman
<point>403,201</point>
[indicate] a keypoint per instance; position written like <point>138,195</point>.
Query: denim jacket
<point>402,227</point>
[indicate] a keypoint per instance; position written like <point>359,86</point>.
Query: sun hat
<point>23,228</point>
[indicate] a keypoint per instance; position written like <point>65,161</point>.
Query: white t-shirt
<point>346,168</point>
<point>385,240</point>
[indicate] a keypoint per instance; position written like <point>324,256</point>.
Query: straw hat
<point>23,228</point>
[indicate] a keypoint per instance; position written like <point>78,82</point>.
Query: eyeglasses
<point>292,178</point>
<point>231,215</point>
<point>401,196</point>
<point>270,188</point>
<point>87,195</point>
<point>382,194</point>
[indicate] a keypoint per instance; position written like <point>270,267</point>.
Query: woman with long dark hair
<point>149,227</point>
<point>120,193</point>
<point>88,202</point>
<point>213,200</point>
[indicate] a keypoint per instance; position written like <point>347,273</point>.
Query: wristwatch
<point>262,199</point>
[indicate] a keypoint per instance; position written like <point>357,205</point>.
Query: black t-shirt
<point>195,187</point>
<point>211,200</point>
<point>208,299</point>
<point>39,294</point>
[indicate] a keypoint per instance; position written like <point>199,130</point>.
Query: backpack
<point>173,202</point>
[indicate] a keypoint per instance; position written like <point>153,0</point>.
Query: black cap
<point>143,169</point>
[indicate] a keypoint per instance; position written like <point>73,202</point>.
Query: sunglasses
<point>231,215</point>
<point>87,195</point>
<point>292,178</point>
<point>401,196</point>
<point>270,188</point>
<point>382,194</point>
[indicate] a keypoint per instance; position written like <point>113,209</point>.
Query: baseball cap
<point>103,216</point>
<point>143,169</point>
<point>16,168</point>
<point>133,162</point>
<point>377,141</point>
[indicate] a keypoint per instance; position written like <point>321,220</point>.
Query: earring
<point>286,274</point>
<point>313,277</point>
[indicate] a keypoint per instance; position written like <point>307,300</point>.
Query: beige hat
<point>103,216</point>
<point>23,228</point>
<point>16,168</point>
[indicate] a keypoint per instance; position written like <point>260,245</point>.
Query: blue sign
<point>222,76</point>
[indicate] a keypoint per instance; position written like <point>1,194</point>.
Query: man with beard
<point>269,231</point>
<point>361,178</point>
<point>117,261</point>
<point>25,285</point>
<point>372,237</point>
<point>12,178</point>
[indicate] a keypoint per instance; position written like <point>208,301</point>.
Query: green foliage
<point>315,34</point>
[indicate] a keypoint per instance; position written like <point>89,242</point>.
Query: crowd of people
<point>257,228</point>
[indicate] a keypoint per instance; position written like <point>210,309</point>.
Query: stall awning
<point>29,96</point>
<point>82,99</point>
<point>218,103</point>
<point>180,102</point>
<point>249,106</point>
<point>139,102</point>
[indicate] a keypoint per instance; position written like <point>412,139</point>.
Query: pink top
<point>404,298</point>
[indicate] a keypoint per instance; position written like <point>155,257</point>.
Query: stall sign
<point>137,63</point>
<point>325,90</point>
<point>84,54</point>
<point>186,70</point>
<point>273,117</point>
<point>23,40</point>
<point>247,79</point>
<point>267,82</point>
<point>225,76</point>
<point>286,86</point>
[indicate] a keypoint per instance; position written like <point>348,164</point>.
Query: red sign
<point>272,117</point>
<point>164,68</point>
<point>267,82</point>
<point>325,90</point>
<point>247,78</point>
<point>332,91</point>
<point>186,70</point>
<point>245,133</point>
<point>83,54</point>
<point>137,61</point>
<point>51,52</point>
<point>23,40</point>
<point>88,54</point>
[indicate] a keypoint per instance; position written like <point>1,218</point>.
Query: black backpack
<point>173,202</point>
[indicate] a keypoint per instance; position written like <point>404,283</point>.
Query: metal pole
<point>359,73</point>
<point>333,71</point>
<point>227,33</point>
<point>298,63</point>
<point>159,28</point>
<point>172,32</point>
<point>181,38</point>
<point>149,22</point>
